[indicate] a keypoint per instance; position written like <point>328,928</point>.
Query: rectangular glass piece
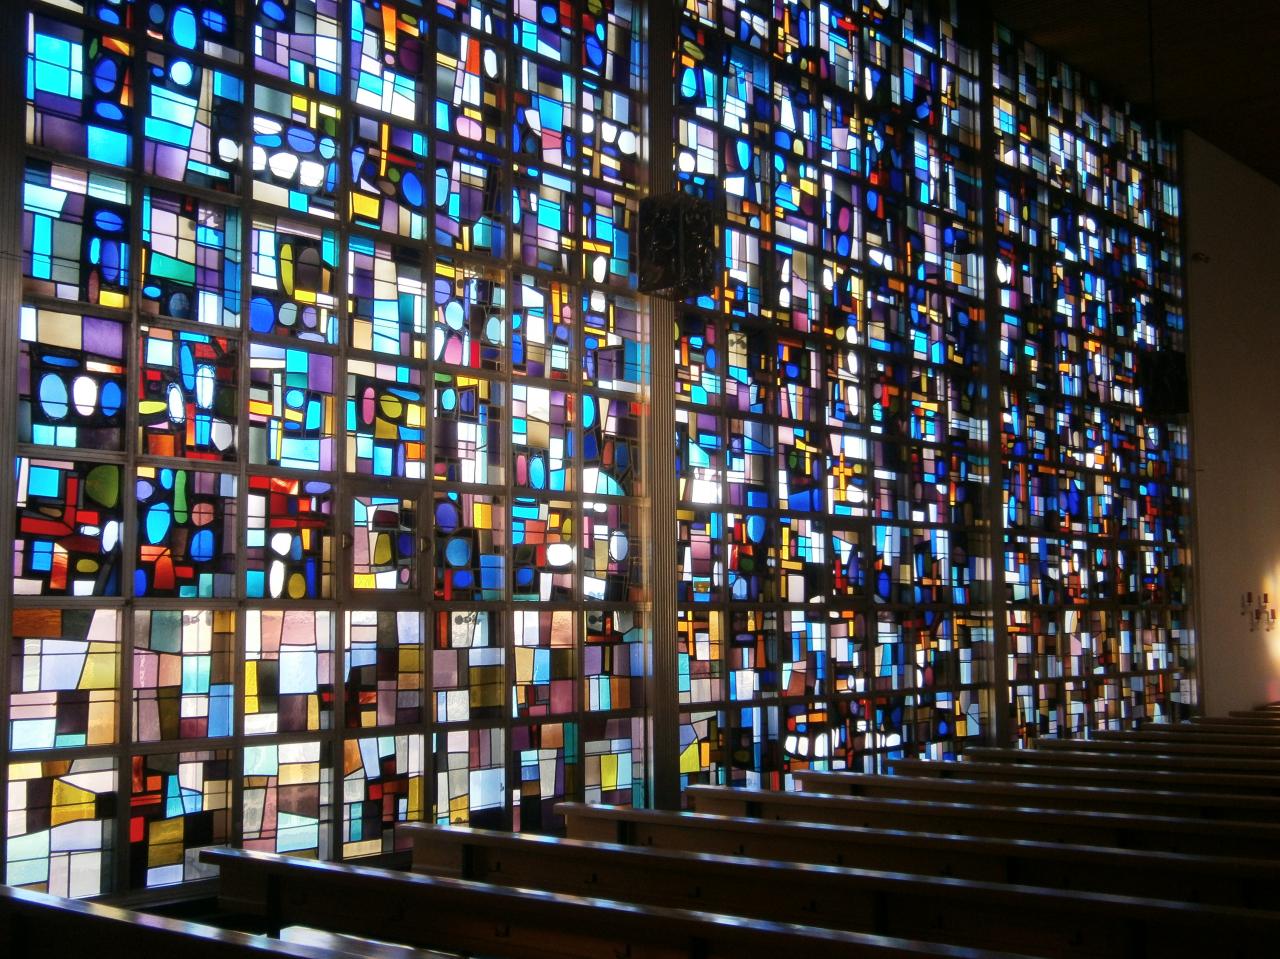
<point>291,407</point>
<point>288,671</point>
<point>183,675</point>
<point>79,92</point>
<point>65,665</point>
<point>71,380</point>
<point>288,798</point>
<point>383,668</point>
<point>69,521</point>
<point>59,834</point>
<point>189,259</point>
<point>180,803</point>
<point>383,783</point>
<point>75,235</point>
<point>290,538</point>
<point>188,401</point>
<point>186,533</point>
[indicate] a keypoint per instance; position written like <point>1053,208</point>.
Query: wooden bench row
<point>1114,830</point>
<point>1081,773</point>
<point>1076,798</point>
<point>768,856</point>
<point>1164,840</point>
<point>487,919</point>
<point>964,912</point>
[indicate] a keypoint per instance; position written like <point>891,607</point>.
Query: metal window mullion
<point>575,280</point>
<point>506,618</point>
<point>125,733</point>
<point>12,43</point>
<point>238,740</point>
<point>577,286</point>
<point>340,582</point>
<point>999,728</point>
<point>1193,595</point>
<point>426,511</point>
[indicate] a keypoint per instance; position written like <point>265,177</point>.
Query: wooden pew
<point>1164,875</point>
<point>1267,715</point>
<point>982,915</point>
<point>469,917</point>
<point>1113,830</point>
<point>1074,798</point>
<point>1198,726</point>
<point>1262,722</point>
<point>1080,775</point>
<point>1189,762</point>
<point>1188,734</point>
<point>36,924</point>
<point>1237,729</point>
<point>1163,747</point>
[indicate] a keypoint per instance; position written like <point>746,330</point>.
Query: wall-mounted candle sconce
<point>1257,607</point>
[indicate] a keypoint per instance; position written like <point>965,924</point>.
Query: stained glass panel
<point>180,803</point>
<point>183,674</point>
<point>66,669</point>
<point>383,784</point>
<point>69,521</point>
<point>383,678</point>
<point>289,671</point>
<point>186,533</point>
<point>188,403</point>
<point>288,796</point>
<point>71,380</point>
<point>59,837</point>
<point>75,234</point>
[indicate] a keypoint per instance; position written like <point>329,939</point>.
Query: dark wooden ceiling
<point>1217,62</point>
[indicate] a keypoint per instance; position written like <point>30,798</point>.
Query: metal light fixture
<point>1257,607</point>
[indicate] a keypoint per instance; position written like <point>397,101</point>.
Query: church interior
<point>601,478</point>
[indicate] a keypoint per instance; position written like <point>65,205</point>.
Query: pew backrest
<point>1194,836</point>
<point>1122,777</point>
<point>1163,747</point>
<point>1046,796</point>
<point>38,924</point>
<point>1192,762</point>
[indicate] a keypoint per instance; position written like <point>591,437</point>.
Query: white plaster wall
<point>1232,217</point>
